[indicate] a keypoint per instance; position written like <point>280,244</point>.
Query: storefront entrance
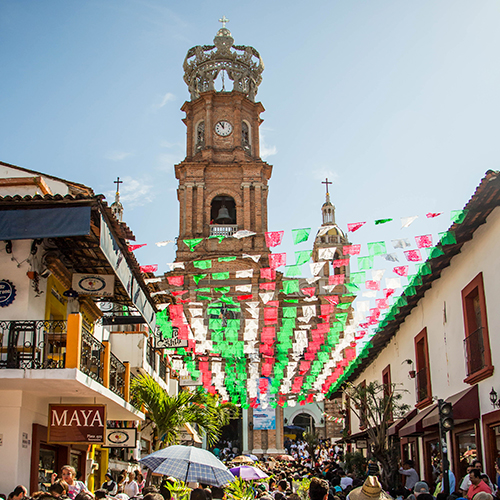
<point>491,430</point>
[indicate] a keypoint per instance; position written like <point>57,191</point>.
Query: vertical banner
<point>264,418</point>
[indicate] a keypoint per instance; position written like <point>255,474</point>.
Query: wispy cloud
<point>321,173</point>
<point>117,155</point>
<point>168,160</point>
<point>167,98</point>
<point>265,149</point>
<point>133,192</point>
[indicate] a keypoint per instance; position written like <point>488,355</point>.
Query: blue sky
<point>397,101</point>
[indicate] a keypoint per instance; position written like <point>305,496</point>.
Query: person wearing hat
<point>110,485</point>
<point>421,487</point>
<point>371,490</point>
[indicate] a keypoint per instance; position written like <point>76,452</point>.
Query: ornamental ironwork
<point>241,64</point>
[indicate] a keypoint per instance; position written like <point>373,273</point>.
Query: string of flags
<point>311,340</point>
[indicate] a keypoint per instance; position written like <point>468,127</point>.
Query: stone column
<point>181,193</point>
<point>257,442</point>
<point>200,216</point>
<point>258,207</point>
<point>245,220</point>
<point>245,432</point>
<point>189,209</point>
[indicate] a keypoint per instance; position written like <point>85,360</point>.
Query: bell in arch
<point>223,217</point>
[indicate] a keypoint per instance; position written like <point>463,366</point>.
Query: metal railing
<point>422,378</point>
<point>92,356</point>
<point>33,344</point>
<point>474,351</point>
<point>150,354</point>
<point>223,229</point>
<point>117,376</point>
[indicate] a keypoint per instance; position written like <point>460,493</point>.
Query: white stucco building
<point>444,345</point>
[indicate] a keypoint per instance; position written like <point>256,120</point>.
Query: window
<point>362,411</point>
<point>424,392</point>
<point>245,136</point>
<point>386,382</point>
<point>477,341</point>
<point>200,136</point>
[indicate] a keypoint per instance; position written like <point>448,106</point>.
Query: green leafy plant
<point>240,490</point>
<point>377,406</point>
<point>355,462</point>
<point>178,490</point>
<point>303,490</point>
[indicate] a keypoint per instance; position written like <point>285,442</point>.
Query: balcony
<point>58,345</point>
<point>422,379</point>
<point>474,351</point>
<point>32,344</point>
<point>138,347</point>
<point>223,229</point>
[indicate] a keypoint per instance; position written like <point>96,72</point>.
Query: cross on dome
<point>326,182</point>
<point>118,182</point>
<point>223,20</point>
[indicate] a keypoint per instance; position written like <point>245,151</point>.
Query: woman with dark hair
<point>59,488</point>
<point>110,485</point>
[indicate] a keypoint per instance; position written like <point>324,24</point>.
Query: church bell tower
<point>223,183</point>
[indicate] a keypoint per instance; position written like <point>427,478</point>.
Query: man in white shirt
<point>411,474</point>
<point>345,481</point>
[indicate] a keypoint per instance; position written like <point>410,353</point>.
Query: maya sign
<point>77,424</point>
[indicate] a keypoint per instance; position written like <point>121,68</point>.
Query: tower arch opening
<point>223,210</point>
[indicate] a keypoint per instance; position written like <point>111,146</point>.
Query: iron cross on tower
<point>223,20</point>
<point>118,182</point>
<point>326,182</point>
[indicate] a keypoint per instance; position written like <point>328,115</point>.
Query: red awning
<point>415,426</point>
<point>465,407</point>
<point>393,430</point>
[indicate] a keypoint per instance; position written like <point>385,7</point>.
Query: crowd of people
<point>325,475</point>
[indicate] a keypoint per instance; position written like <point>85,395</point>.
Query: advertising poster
<point>264,416</point>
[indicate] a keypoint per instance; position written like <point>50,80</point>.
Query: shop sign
<point>97,285</point>
<point>7,293</point>
<point>77,424</point>
<point>361,444</point>
<point>121,438</point>
<point>172,343</point>
<point>115,257</point>
<point>188,381</point>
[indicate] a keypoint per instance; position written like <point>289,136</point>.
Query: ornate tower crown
<point>242,65</point>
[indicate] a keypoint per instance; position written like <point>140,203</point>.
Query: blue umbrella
<point>189,464</point>
<point>253,457</point>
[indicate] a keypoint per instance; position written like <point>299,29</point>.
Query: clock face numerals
<point>223,128</point>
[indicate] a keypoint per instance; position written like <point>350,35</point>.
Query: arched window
<point>245,136</point>
<point>223,210</point>
<point>200,136</point>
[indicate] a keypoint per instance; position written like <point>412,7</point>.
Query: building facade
<point>65,267</point>
<point>443,346</point>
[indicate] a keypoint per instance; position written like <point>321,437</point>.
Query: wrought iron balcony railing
<point>117,373</point>
<point>422,384</point>
<point>92,357</point>
<point>33,344</point>
<point>474,351</point>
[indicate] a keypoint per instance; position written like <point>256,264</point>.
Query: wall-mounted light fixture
<point>494,398</point>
